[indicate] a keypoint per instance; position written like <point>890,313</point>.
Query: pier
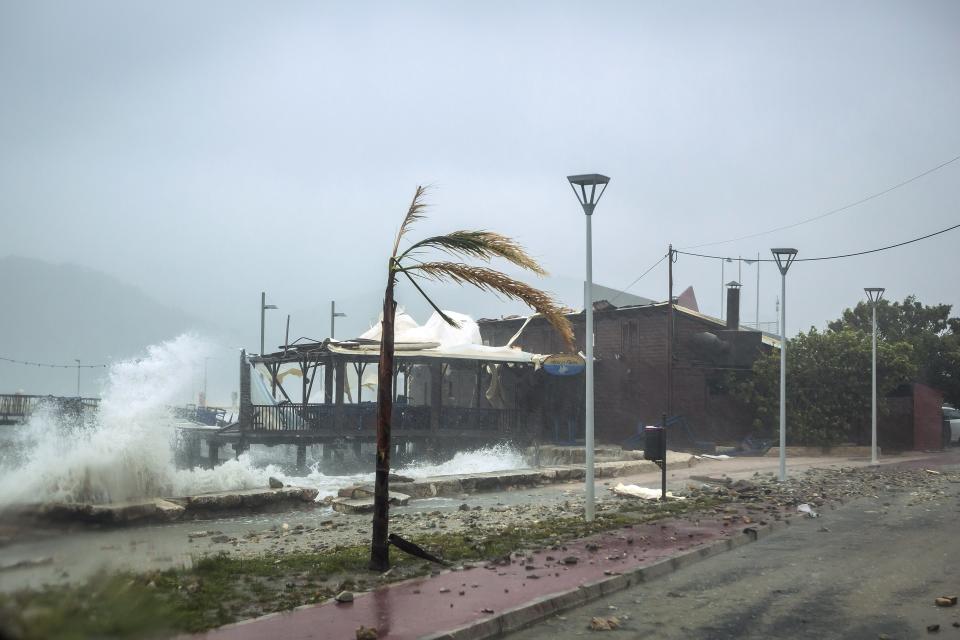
<point>17,408</point>
<point>442,401</point>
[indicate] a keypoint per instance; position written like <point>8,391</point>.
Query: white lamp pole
<point>784,258</point>
<point>874,294</point>
<point>334,314</point>
<point>588,198</point>
<point>263,315</point>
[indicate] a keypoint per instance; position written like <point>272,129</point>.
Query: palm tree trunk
<point>379,549</point>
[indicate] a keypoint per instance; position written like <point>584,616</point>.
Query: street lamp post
<point>263,315</point>
<point>588,197</point>
<point>784,258</point>
<point>874,294</point>
<point>334,315</point>
<point>78,376</point>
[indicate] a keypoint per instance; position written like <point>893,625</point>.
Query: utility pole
<point>78,377</point>
<point>670,334</point>
<point>758,290</point>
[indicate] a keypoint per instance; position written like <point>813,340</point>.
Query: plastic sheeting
<point>438,339</point>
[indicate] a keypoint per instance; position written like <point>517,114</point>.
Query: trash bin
<point>654,443</point>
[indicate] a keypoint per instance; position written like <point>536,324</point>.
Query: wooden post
<point>246,404</point>
<point>338,390</point>
<point>328,380</point>
<point>436,395</point>
<point>301,457</point>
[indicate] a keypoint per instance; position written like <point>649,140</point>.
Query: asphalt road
<point>871,567</point>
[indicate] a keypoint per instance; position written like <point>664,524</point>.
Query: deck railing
<point>347,419</point>
<point>18,407</point>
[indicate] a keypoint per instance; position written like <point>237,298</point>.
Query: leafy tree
<point>933,334</point>
<point>828,385</point>
<point>481,245</point>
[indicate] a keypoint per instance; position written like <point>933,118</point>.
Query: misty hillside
<point>54,313</point>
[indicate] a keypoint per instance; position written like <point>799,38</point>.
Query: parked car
<point>951,424</point>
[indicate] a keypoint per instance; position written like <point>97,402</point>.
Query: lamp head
<point>587,194</point>
<point>733,284</point>
<point>269,306</point>
<point>874,293</point>
<point>784,257</point>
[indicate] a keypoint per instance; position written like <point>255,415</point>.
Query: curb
<point>541,608</point>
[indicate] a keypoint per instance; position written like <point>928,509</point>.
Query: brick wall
<point>630,370</point>
<point>927,418</point>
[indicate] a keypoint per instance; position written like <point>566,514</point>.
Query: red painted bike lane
<point>453,599</point>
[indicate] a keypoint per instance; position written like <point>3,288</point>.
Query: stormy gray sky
<point>207,151</point>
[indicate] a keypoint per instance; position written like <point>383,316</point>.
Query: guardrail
<point>18,407</point>
<point>347,419</point>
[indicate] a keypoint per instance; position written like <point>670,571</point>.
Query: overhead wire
<point>835,257</point>
<point>845,207</point>
<point>640,277</point>
<point>54,366</point>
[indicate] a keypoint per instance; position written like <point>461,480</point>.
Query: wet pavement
<point>419,607</point>
<point>474,596</point>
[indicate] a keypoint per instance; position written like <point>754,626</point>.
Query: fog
<point>205,152</point>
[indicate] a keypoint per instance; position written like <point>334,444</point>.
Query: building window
<point>629,335</point>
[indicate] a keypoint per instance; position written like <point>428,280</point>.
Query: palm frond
<point>492,280</point>
<point>414,213</point>
<point>479,244</point>
<point>450,321</point>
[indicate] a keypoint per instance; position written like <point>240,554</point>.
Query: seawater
<point>126,451</point>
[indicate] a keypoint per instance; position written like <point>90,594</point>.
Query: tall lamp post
<point>334,315</point>
<point>78,376</point>
<point>585,188</point>
<point>784,258</point>
<point>874,294</point>
<point>263,315</point>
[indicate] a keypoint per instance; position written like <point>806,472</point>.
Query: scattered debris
<point>933,628</point>
<point>344,596</point>
<point>27,563</point>
<point>807,509</point>
<point>604,624</point>
<point>275,483</point>
<point>636,491</point>
<point>946,601</point>
<point>366,633</point>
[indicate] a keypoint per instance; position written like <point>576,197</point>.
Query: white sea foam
<point>499,457</point>
<point>126,452</point>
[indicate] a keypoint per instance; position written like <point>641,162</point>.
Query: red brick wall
<point>927,418</point>
<point>631,352</point>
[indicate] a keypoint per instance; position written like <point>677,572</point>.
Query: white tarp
<point>636,491</point>
<point>437,339</point>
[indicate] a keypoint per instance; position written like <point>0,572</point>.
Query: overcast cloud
<point>208,151</point>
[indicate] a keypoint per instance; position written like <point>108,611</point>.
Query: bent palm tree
<point>482,245</point>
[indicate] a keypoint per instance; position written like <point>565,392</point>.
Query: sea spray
<point>498,457</point>
<point>126,451</point>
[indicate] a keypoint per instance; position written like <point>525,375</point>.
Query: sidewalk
<point>483,601</point>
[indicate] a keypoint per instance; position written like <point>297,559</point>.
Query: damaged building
<point>631,367</point>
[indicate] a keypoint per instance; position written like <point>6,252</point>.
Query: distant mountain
<point>54,313</point>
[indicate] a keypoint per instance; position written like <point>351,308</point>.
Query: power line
<point>842,255</point>
<point>832,211</point>
<point>54,366</point>
<point>640,277</point>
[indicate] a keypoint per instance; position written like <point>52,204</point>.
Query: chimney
<point>733,305</point>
